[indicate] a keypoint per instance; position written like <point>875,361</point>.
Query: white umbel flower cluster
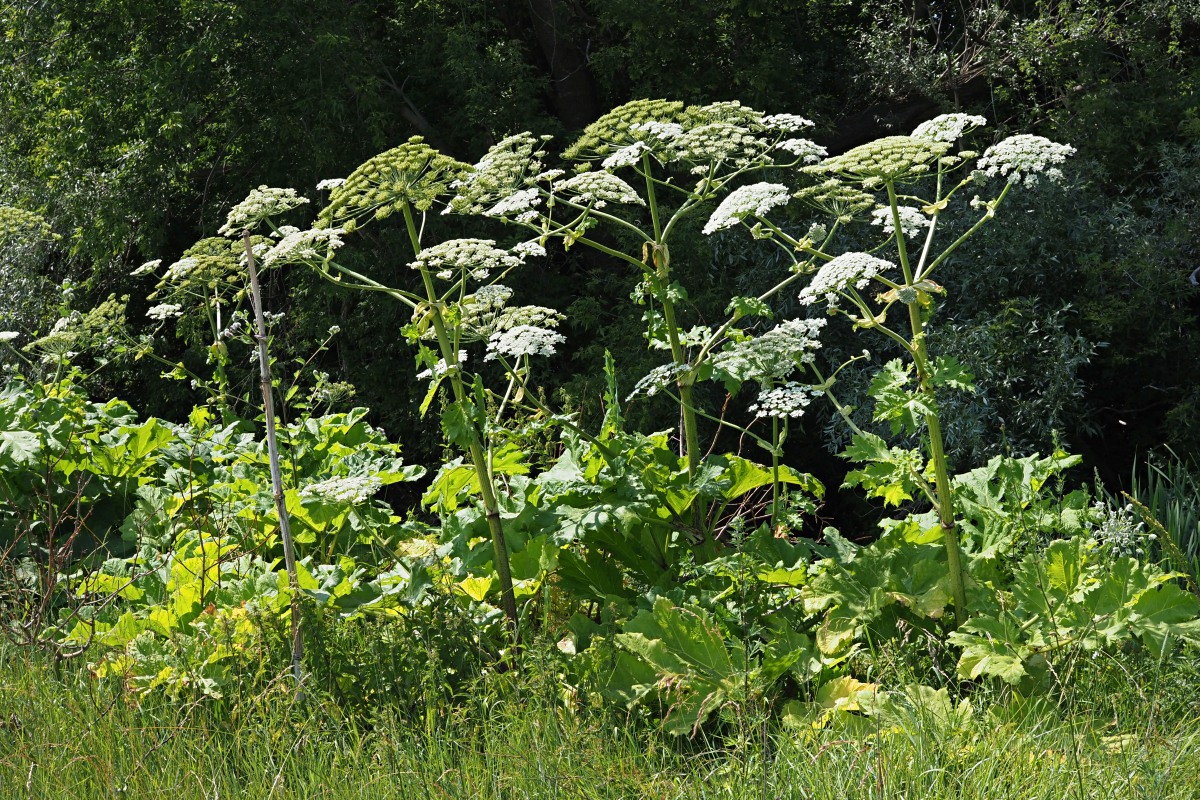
<point>599,189</point>
<point>352,491</point>
<point>303,247</point>
<point>485,314</point>
<point>949,127</point>
<point>164,311</point>
<point>657,379</point>
<point>147,269</point>
<point>912,221</point>
<point>626,156</point>
<point>523,340</point>
<point>519,202</point>
<point>756,199</point>
<point>774,354</point>
<point>809,152</point>
<point>718,142</point>
<point>848,269</point>
<point>260,204</point>
<point>663,131</point>
<point>476,257</point>
<point>787,123</point>
<point>782,402</point>
<point>1023,158</point>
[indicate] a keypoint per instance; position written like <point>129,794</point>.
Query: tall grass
<point>1129,732</point>
<point>1166,490</point>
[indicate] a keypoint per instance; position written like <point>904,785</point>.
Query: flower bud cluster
<point>485,313</point>
<point>1120,532</point>
<point>622,127</point>
<point>412,174</point>
<point>892,158</point>
<point>498,185</point>
<point>17,223</point>
<point>659,378</point>
<point>836,199</point>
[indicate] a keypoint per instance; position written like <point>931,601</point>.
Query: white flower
<point>948,127</point>
<point>260,204</point>
<point>599,187</point>
<point>330,183</point>
<point>756,199</point>
<point>441,368</point>
<point>517,202</point>
<point>626,156</point>
<point>788,123</point>
<point>300,247</point>
<point>659,378</point>
<point>498,175</point>
<point>473,256</point>
<point>524,250</point>
<point>1023,157</point>
<point>666,131</point>
<point>718,142</point>
<point>164,311</point>
<point>147,268</point>
<point>8,336</point>
<point>788,400</point>
<point>353,490</point>
<point>912,221</point>
<point>180,269</point>
<point>848,269</point>
<point>809,152</point>
<point>523,340</point>
<point>774,354</point>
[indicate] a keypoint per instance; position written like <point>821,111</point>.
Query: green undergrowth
<point>1126,728</point>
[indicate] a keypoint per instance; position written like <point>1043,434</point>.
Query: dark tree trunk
<point>573,88</point>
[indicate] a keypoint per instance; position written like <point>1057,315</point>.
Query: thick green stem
<point>937,452</point>
<point>285,529</point>
<point>479,461</point>
<point>775,472</point>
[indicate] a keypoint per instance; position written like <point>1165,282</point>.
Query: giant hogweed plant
<point>644,170</point>
<point>459,301</point>
<point>914,179</point>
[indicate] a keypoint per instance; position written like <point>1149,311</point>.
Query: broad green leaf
<point>991,647</point>
<point>948,372</point>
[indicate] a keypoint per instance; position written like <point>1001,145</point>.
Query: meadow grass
<point>62,734</point>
